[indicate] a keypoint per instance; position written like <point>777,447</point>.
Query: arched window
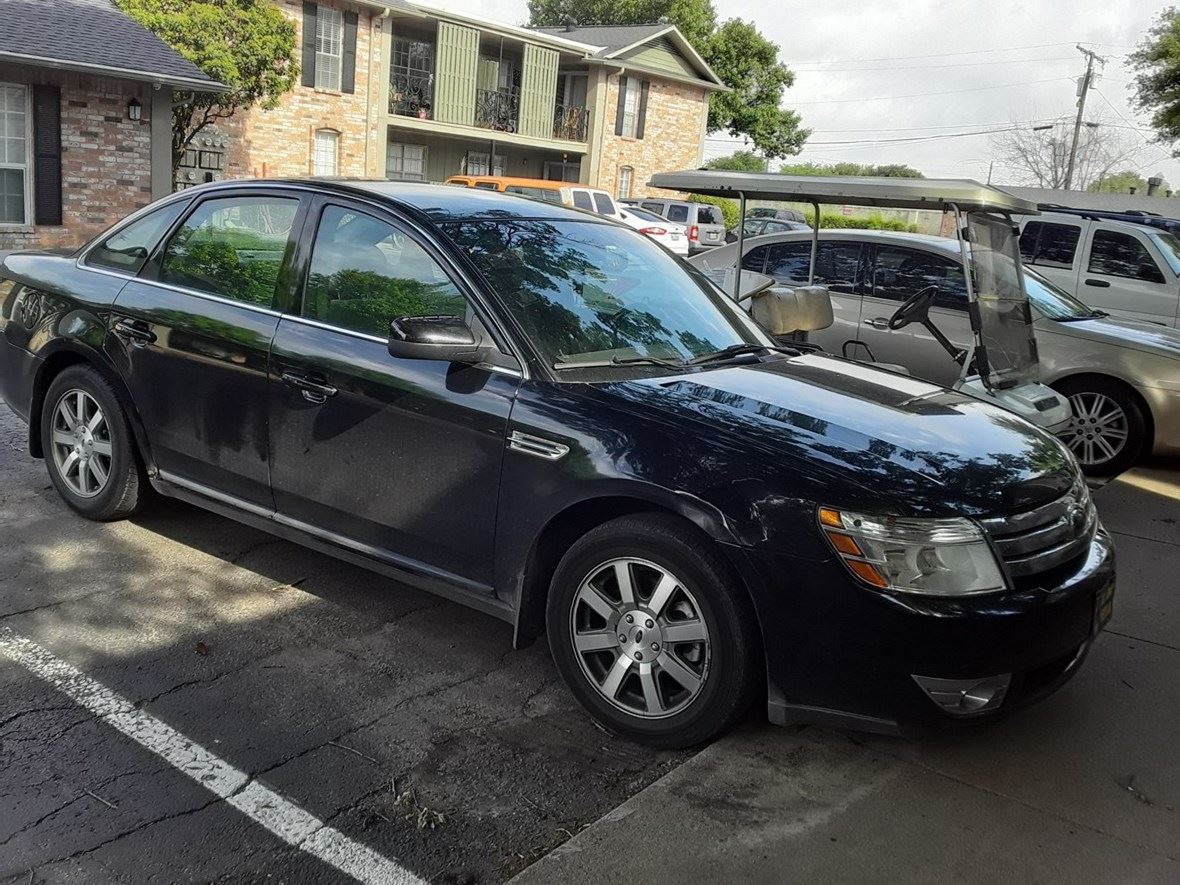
<point>325,159</point>
<point>626,176</point>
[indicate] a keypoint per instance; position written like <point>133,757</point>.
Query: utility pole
<point>1083,90</point>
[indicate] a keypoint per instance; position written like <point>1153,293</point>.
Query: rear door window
<point>756,258</point>
<point>232,247</point>
<point>789,262</point>
<point>1116,254</point>
<point>1048,244</point>
<point>582,200</point>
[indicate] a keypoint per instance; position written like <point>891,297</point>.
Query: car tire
<point>1109,430</point>
<point>89,448</point>
<point>673,661</point>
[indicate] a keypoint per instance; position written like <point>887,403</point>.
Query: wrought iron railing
<point>569,122</point>
<point>497,109</point>
<point>411,95</point>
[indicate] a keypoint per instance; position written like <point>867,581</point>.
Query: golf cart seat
<point>782,310</point>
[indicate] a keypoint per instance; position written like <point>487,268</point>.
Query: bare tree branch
<point>1041,158</point>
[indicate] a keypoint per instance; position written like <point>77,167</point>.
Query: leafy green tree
<point>1156,62</point>
<point>742,58</point>
<point>739,161</point>
<point>888,170</point>
<point>249,45</point>
<point>1119,183</point>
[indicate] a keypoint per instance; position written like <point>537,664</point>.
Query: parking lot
<point>232,707</point>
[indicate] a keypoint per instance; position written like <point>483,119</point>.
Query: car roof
<point>1113,223</point>
<point>895,237</point>
<point>433,203</point>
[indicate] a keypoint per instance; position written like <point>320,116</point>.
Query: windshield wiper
<point>620,361</point>
<point>735,350</point>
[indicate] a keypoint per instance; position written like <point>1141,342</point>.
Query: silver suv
<point>705,223</point>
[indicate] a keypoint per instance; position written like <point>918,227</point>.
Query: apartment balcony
<point>569,122</point>
<point>411,95</point>
<point>497,109</point>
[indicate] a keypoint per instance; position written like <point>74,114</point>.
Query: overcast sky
<point>859,77</point>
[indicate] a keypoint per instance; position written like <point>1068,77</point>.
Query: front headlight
<point>933,557</point>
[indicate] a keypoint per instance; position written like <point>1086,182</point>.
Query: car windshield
<point>1053,302</point>
<point>1169,246</point>
<point>588,292</point>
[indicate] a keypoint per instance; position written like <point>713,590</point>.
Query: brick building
<point>85,119</point>
<point>412,91</point>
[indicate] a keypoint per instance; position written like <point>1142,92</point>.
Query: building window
<point>405,162</point>
<point>626,174</point>
<point>631,107</point>
<point>14,153</point>
<point>329,48</point>
<point>476,163</point>
<point>326,157</point>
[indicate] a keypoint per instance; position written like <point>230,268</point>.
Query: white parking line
<point>261,804</point>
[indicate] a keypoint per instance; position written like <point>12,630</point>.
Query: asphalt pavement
<point>183,699</point>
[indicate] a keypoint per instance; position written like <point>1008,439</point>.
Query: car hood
<point>907,445</point>
<point>1136,334</point>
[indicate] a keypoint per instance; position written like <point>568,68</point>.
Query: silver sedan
<point>1122,376</point>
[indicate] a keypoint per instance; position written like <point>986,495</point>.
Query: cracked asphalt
<point>377,708</point>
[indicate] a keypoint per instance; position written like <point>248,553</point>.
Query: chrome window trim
<point>209,296</point>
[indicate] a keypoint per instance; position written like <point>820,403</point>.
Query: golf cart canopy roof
<point>896,193</point>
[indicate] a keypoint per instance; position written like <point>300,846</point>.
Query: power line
<point>925,94</point>
<point>969,64</point>
<point>951,54</point>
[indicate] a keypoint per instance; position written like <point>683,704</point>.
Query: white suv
<point>1125,269</point>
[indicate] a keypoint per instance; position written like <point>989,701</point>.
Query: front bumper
<point>838,653</point>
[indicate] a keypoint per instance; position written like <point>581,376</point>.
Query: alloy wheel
<point>640,638</point>
<point>81,442</point>
<point>1099,429</point>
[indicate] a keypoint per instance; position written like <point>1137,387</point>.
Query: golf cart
<point>1001,366</point>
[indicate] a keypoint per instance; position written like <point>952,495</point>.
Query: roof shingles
<point>90,34</point>
<point>610,37</point>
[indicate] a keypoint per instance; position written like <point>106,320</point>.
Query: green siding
<point>455,74</point>
<point>538,91</point>
<point>664,58</point>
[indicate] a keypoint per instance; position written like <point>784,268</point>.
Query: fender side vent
<point>537,446</point>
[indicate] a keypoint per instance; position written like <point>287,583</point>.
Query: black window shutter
<point>348,74</point>
<point>309,17</point>
<point>643,89</point>
<point>46,155</point>
<point>619,109</point>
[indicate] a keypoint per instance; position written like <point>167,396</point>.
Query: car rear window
<point>709,215</point>
<point>678,213</point>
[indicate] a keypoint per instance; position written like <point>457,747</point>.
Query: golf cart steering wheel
<point>915,308</point>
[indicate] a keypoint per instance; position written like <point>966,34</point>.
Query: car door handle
<point>313,391</point>
<point>1101,284</point>
<point>135,331</point>
<point>877,323</point>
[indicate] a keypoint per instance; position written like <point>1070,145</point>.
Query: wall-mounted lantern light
<point>134,110</point>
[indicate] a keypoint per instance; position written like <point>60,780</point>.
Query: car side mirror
<point>446,338</point>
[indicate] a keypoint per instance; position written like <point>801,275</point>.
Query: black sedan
<point>545,416</point>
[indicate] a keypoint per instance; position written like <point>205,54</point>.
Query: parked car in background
<point>1129,270</point>
<point>543,415</point>
<point>705,223</point>
<point>755,227</point>
<point>1122,376</point>
<point>781,214</point>
<point>589,199</point>
<point>672,236</point>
